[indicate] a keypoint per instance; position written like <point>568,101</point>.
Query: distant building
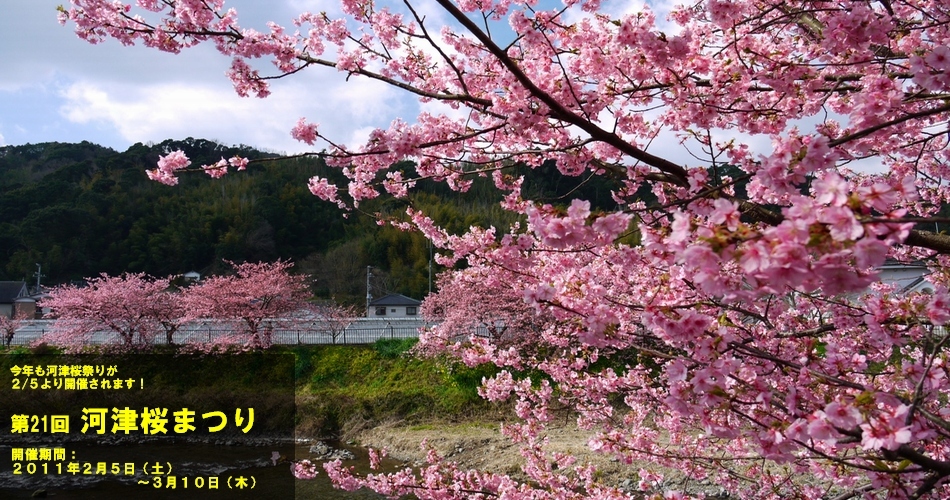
<point>191,277</point>
<point>907,277</point>
<point>393,305</point>
<point>11,293</point>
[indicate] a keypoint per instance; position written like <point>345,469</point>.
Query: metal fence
<point>356,331</point>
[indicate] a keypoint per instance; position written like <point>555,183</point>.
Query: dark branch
<point>558,111</point>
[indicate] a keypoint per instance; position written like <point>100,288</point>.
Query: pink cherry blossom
<point>9,326</point>
<point>304,469</point>
<point>887,431</point>
<point>305,132</point>
<point>842,415</point>
<point>251,298</point>
<point>134,307</point>
<point>167,166</point>
<point>939,58</point>
<point>716,311</point>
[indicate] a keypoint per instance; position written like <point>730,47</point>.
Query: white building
<point>393,305</point>
<point>907,277</point>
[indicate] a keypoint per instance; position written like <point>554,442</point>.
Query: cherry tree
<point>9,326</point>
<point>250,299</point>
<point>330,319</point>
<point>768,156</point>
<point>479,307</point>
<point>130,305</point>
<point>168,314</point>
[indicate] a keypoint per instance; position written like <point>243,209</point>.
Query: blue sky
<point>56,87</point>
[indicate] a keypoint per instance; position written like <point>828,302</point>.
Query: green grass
<point>382,382</point>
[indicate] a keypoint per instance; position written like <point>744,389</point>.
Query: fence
<point>357,331</point>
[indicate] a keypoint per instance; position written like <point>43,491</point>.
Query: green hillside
<point>81,209</point>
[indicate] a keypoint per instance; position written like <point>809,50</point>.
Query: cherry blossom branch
<point>486,103</point>
<point>888,124</point>
<point>558,111</point>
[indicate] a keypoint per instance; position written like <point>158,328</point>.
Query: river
<point>192,461</point>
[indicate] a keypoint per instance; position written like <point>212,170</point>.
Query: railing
<point>356,331</point>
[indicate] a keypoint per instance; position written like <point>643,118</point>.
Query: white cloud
<point>164,110</point>
<point>63,88</point>
<point>169,109</point>
<point>3,142</point>
<point>359,136</point>
<point>331,7</point>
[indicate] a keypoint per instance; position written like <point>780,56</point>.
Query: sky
<point>56,87</point>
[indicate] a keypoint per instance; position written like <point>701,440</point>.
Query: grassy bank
<point>343,388</point>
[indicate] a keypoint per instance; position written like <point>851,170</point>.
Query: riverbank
<point>339,386</point>
<point>481,445</point>
<point>379,396</point>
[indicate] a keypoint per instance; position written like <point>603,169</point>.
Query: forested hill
<point>82,209</point>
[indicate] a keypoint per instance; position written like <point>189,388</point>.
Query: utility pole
<point>430,266</point>
<point>39,274</point>
<point>369,296</point>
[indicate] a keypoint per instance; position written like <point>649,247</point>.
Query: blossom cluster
<point>304,469</point>
<point>722,317</point>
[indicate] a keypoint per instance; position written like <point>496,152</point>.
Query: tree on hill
<point>735,339</point>
<point>81,214</point>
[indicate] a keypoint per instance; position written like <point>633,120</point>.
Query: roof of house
<point>894,263</point>
<point>920,283</point>
<point>12,290</point>
<point>395,299</point>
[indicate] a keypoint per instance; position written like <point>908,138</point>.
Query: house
<point>12,295</point>
<point>907,277</point>
<point>393,305</point>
